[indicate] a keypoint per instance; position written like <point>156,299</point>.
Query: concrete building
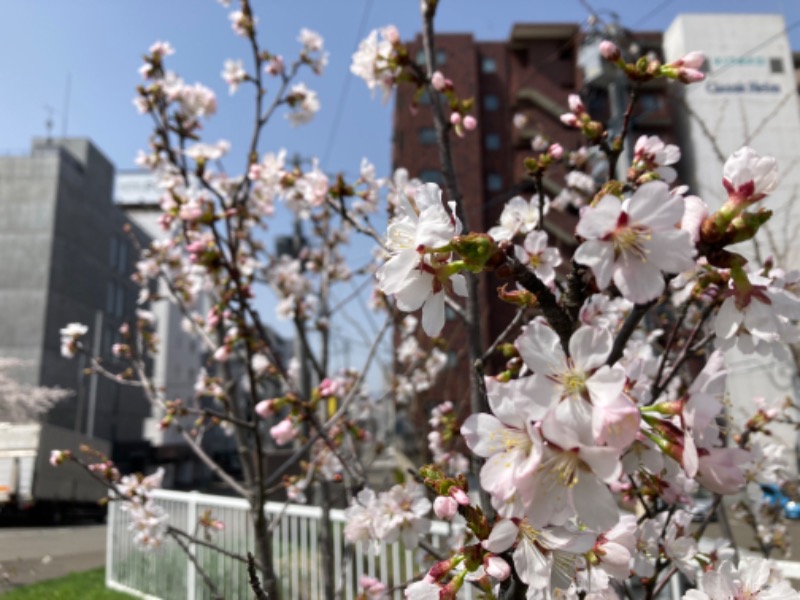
<point>181,355</point>
<point>66,258</point>
<point>749,97</point>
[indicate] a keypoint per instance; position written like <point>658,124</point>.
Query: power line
<point>657,9</point>
<point>337,117</point>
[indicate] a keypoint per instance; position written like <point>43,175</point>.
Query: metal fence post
<point>111,516</point>
<point>191,522</point>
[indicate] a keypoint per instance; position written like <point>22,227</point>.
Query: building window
<point>494,182</point>
<point>488,65</point>
<point>427,135</point>
<point>111,297</point>
<point>441,57</point>
<point>113,252</point>
<point>452,359</point>
<point>122,263</point>
<point>491,103</point>
<point>491,141</point>
<point>650,102</point>
<point>424,98</point>
<point>119,309</point>
<point>431,176</point>
<point>776,65</point>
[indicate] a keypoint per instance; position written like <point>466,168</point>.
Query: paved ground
<point>34,553</point>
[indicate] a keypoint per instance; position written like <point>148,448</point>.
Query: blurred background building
<point>750,97</point>
<point>66,258</point>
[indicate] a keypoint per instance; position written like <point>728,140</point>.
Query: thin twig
<point>628,327</point>
<point>190,555</point>
<point>196,540</point>
<point>506,332</point>
<point>668,348</point>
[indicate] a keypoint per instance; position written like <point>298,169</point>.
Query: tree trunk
<point>263,552</point>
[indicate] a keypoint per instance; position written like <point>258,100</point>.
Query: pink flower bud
<point>265,408</point>
<point>222,353</point>
<point>609,51</point>
<point>576,104</point>
<point>690,75</point>
<point>569,119</point>
<point>496,567</point>
<point>455,118</point>
<point>58,456</point>
<point>470,123</point>
<point>459,496</point>
<point>445,507</point>
<point>693,60</point>
<point>284,432</point>
<point>556,151</point>
<point>439,570</point>
<point>438,81</point>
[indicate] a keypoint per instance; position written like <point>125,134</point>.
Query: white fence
<point>167,574</point>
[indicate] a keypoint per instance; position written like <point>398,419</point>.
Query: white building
<point>749,98</point>
<point>180,357</point>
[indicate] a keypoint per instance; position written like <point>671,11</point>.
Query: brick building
<point>531,73</point>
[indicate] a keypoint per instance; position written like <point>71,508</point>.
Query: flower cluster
<point>397,514</point>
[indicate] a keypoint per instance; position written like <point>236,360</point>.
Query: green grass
<point>77,586</point>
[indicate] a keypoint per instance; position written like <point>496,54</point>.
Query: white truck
<point>30,484</point>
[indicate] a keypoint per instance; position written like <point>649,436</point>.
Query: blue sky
<point>98,44</point>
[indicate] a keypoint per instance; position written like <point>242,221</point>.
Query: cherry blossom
<point>518,216</point>
<point>415,273</point>
<point>759,318</point>
<point>374,61</point>
<point>635,242</point>
<point>748,176</point>
<point>304,104</point>
<point>535,253</point>
<point>753,579</point>
<point>70,335</point>
<point>579,387</point>
<point>508,441</point>
<point>233,74</point>
<point>651,154</point>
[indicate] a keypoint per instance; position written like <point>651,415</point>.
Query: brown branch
<point>628,327</point>
<point>558,318</point>
<point>668,348</point>
<point>685,351</point>
<point>255,582</point>
<point>212,587</point>
<point>196,540</point>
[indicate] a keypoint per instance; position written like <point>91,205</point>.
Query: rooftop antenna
<point>48,124</point>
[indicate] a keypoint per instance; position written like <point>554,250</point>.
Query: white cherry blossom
<point>518,216</point>
<point>540,257</point>
<point>748,176</point>
<point>413,275</point>
<point>635,242</point>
